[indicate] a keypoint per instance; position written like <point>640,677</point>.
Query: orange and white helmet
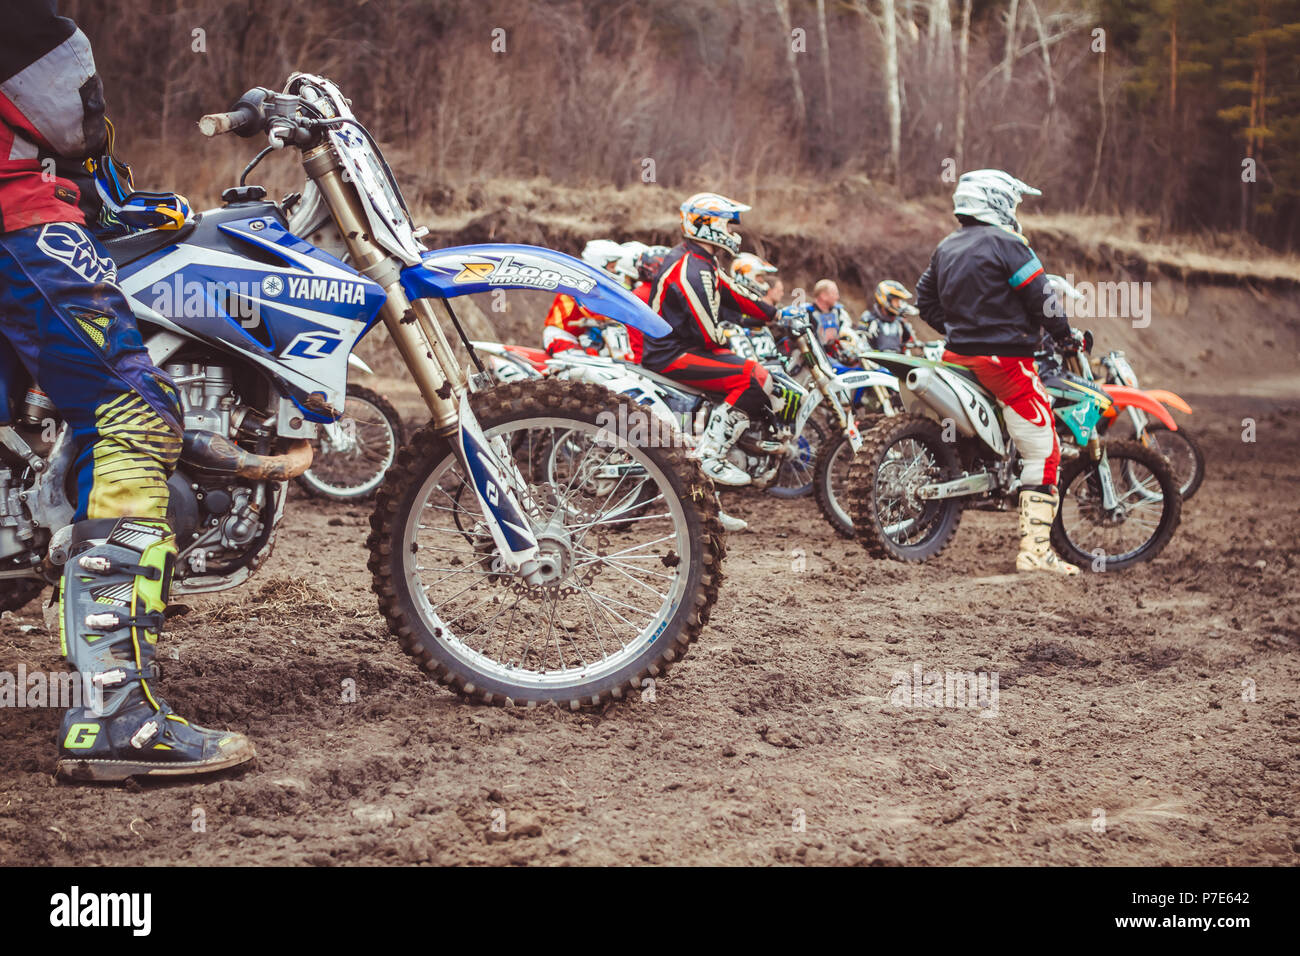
<point>751,272</point>
<point>707,218</point>
<point>892,296</point>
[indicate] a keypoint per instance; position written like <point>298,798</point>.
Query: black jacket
<point>988,294</point>
<point>689,291</point>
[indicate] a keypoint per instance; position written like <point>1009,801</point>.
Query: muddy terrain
<point>1144,717</point>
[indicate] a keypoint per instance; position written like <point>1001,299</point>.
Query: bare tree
<point>963,60</point>
<point>826,60</point>
<point>800,107</point>
<point>1009,57</point>
<point>889,15</point>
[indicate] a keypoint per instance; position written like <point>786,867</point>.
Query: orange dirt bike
<point>1179,445</point>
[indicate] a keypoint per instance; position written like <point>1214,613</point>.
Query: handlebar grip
<point>214,124</point>
<point>236,121</point>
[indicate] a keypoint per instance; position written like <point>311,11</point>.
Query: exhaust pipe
<point>215,454</point>
<point>934,392</point>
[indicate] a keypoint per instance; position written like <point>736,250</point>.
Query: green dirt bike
<point>917,471</point>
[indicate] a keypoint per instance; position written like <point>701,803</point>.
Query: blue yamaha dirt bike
<point>506,588</point>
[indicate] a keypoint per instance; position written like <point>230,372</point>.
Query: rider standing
<point>989,295</point>
<point>689,291</point>
<point>64,318</point>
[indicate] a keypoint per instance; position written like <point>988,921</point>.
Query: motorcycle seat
<point>127,249</point>
<point>662,379</point>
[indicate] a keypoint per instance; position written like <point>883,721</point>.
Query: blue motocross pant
<point>64,319</point>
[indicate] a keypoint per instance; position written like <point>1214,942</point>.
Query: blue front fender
<point>464,270</point>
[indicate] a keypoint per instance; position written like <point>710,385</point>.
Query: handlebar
<point>235,121</point>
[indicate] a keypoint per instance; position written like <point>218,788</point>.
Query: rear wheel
<point>899,456</point>
<point>795,479</point>
<point>614,598</point>
<point>1145,515</point>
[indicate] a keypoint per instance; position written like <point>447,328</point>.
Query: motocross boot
<point>1037,512</point>
<point>730,522</point>
<point>112,599</point>
<point>726,424</point>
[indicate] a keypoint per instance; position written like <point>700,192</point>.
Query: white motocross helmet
<point>707,218</point>
<point>753,273</point>
<point>625,266</point>
<point>991,196</point>
<point>614,257</point>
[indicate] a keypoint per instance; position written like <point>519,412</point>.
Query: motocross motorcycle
<point>777,449</point>
<point>1135,408</point>
<point>504,588</point>
<point>1180,446</point>
<point>1119,501</point>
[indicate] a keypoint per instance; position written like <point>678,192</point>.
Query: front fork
<point>414,328</point>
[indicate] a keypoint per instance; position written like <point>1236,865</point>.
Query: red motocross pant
<point>1026,409</point>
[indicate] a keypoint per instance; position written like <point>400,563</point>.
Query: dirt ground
<point>1123,731</point>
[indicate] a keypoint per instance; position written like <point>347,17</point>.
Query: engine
<point>216,518</point>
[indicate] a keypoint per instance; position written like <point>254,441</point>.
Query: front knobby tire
<point>899,456</point>
<point>1088,536</point>
<point>474,642</point>
<point>831,478</point>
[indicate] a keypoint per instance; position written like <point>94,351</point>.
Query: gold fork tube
<point>412,326</point>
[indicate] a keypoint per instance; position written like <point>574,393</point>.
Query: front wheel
<point>1182,451</point>
<point>352,455</point>
<point>899,456</point>
<point>831,479</point>
<point>1141,520</point>
<point>614,598</point>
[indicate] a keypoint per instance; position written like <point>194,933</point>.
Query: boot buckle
<point>110,678</point>
<point>146,733</point>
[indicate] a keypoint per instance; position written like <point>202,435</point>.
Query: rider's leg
<point>72,328</point>
<point>744,384</point>
<point>1027,411</point>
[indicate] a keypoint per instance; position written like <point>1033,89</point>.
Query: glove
<point>1073,343</point>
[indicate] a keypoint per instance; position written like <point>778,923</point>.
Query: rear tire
<point>795,478</point>
<point>898,456</point>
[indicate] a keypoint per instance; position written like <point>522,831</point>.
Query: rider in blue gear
<point>67,330</point>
